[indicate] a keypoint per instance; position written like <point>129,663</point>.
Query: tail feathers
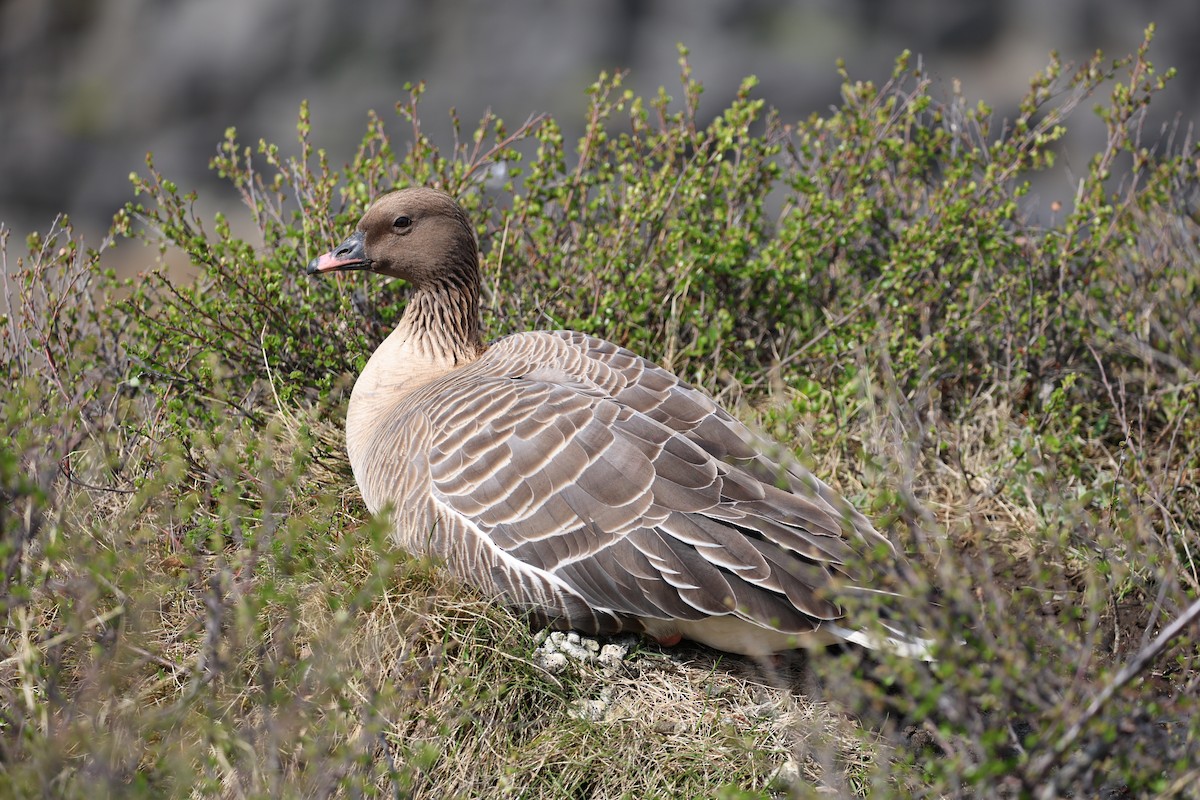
<point>899,642</point>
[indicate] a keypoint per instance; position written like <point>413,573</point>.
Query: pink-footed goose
<point>581,483</point>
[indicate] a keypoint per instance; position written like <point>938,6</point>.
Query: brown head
<point>418,234</point>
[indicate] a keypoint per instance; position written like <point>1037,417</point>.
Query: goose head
<point>420,235</point>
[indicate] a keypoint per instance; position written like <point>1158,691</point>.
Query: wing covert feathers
<point>596,491</point>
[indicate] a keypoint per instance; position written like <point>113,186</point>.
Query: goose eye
<point>402,223</point>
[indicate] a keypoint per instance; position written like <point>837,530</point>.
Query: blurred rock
<point>88,87</point>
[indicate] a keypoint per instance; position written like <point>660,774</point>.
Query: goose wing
<point>622,503</point>
<point>661,395</point>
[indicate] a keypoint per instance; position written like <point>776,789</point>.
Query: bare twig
<point>1130,671</point>
<point>68,472</point>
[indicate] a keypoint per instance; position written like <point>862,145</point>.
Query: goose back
<point>596,491</point>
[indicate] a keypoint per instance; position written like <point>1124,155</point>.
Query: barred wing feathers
<point>633,496</point>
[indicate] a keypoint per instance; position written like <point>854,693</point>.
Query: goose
<point>583,485</point>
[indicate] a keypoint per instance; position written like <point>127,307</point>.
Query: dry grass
<point>364,671</point>
<point>370,671</point>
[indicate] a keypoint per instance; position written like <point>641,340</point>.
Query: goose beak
<point>349,255</point>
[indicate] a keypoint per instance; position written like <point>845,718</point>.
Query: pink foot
<point>669,641</point>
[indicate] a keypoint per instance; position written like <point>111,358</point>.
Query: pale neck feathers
<point>439,332</point>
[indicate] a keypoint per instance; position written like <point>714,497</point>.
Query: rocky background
<point>88,86</point>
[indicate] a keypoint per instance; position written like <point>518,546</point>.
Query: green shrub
<point>194,603</point>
